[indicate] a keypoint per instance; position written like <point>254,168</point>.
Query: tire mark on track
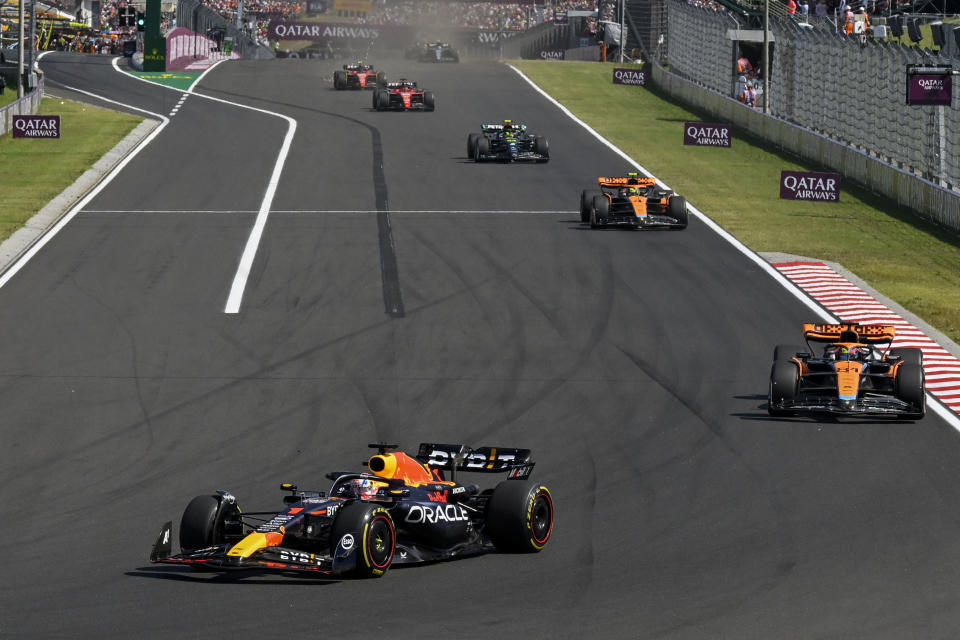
<point>389,272</point>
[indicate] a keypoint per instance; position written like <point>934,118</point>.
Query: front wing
<point>867,405</point>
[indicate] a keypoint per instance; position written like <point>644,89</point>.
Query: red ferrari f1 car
<point>403,95</point>
<point>855,374</point>
<point>404,509</point>
<point>358,76</point>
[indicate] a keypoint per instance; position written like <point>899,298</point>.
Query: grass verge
<point>35,170</point>
<point>911,261</point>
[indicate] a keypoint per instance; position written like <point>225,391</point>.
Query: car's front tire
<point>784,386</point>
<point>372,532</point>
<point>909,384</point>
<point>586,203</point>
<point>599,212</point>
<point>429,101</point>
<point>204,523</point>
<point>677,209</point>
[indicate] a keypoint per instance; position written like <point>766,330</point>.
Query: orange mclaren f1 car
<point>403,510</point>
<point>632,201</point>
<point>855,374</point>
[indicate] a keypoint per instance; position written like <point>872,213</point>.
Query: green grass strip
<point>36,170</point>
<point>915,263</point>
<point>175,79</point>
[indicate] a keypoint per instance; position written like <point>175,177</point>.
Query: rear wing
<point>626,181</point>
<point>457,457</point>
<point>501,127</point>
<point>866,333</point>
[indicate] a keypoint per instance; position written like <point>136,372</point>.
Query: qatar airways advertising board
<point>636,77</point>
<point>810,185</point>
<point>706,134</point>
<point>929,89</point>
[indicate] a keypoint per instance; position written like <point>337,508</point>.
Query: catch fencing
<point>200,18</point>
<point>29,104</point>
<point>834,99</point>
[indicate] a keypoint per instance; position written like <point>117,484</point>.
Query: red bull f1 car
<point>856,373</point>
<point>632,201</point>
<point>358,76</point>
<point>402,510</point>
<point>507,142</point>
<point>403,96</point>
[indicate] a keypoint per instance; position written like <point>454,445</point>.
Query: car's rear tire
<point>482,148</point>
<point>677,209</point>
<point>784,386</point>
<point>787,351</point>
<point>429,101</point>
<point>373,533</point>
<point>542,146</point>
<point>909,385</point>
<point>586,203</point>
<point>599,211</point>
<point>519,516</point>
<point>908,355</point>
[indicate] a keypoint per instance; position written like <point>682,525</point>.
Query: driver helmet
<point>365,488</point>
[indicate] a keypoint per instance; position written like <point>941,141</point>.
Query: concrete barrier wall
<point>928,199</point>
<point>28,105</point>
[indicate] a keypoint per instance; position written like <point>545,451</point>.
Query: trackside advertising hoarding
<point>636,77</point>
<point>707,134</point>
<point>36,126</point>
<point>929,89</point>
<point>810,185</point>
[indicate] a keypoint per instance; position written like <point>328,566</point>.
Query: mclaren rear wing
<point>626,181</point>
<point>457,457</point>
<point>866,333</point>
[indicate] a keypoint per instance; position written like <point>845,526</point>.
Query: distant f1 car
<point>403,96</point>
<point>358,76</point>
<point>433,52</point>
<point>507,142</point>
<point>856,374</point>
<point>632,201</point>
<point>403,510</point>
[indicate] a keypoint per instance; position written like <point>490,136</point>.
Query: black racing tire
<point>909,388</point>
<point>471,144</point>
<point>373,532</point>
<point>198,526</point>
<point>376,98</point>
<point>542,146</point>
<point>908,355</point>
<point>787,351</point>
<point>429,101</point>
<point>586,203</point>
<point>599,212</point>
<point>482,148</point>
<point>339,79</point>
<point>677,209</point>
<point>383,100</point>
<point>784,386</point>
<point>519,516</point>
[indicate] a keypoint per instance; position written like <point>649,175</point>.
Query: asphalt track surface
<point>635,366</point>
